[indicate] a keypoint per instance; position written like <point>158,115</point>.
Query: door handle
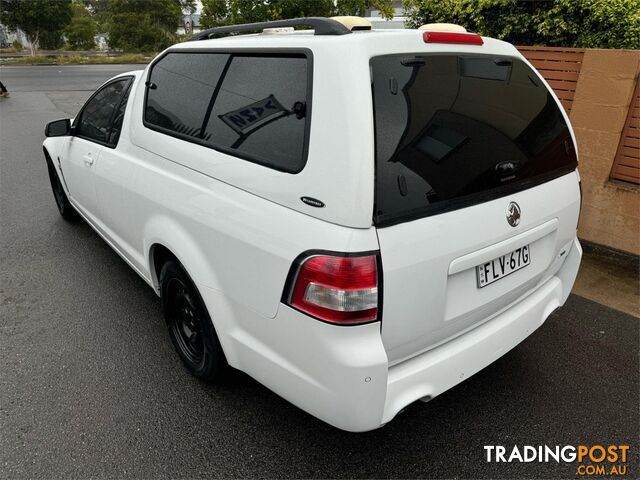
<point>88,159</point>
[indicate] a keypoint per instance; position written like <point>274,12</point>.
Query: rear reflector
<point>452,37</point>
<point>340,290</point>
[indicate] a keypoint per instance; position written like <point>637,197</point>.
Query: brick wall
<point>603,97</point>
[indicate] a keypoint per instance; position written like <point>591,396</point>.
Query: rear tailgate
<point>458,139</point>
<point>430,283</point>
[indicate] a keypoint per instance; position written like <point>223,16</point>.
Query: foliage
<point>569,23</point>
<point>188,6</point>
<point>99,12</point>
<point>17,44</point>
<point>38,19</point>
<point>214,13</point>
<point>76,59</point>
<point>82,29</point>
<point>141,25</point>
<point>229,12</point>
<point>282,9</point>
<point>50,40</point>
<point>358,7</point>
<point>593,23</point>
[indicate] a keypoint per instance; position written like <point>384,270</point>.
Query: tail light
<point>452,37</point>
<point>338,289</point>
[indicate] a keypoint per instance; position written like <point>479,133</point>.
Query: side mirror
<point>58,128</point>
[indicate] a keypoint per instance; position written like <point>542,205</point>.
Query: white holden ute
<point>358,219</point>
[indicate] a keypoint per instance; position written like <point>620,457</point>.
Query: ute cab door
<point>90,134</point>
<point>115,179</point>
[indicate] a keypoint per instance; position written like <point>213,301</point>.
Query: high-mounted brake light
<point>452,37</point>
<point>336,289</point>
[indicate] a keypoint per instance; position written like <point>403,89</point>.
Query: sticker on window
<point>251,117</point>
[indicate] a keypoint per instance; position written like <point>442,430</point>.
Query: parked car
<point>357,219</point>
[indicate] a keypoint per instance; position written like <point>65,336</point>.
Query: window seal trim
<point>257,52</point>
<point>127,92</point>
<point>130,79</point>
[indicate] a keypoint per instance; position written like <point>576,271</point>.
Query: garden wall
<point>599,89</point>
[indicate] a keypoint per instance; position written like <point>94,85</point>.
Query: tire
<point>62,201</point>
<point>190,327</point>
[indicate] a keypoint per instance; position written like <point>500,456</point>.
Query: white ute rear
<point>405,215</point>
<point>476,206</point>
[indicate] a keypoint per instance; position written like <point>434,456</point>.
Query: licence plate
<point>502,266</point>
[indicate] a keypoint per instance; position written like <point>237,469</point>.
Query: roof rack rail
<point>321,25</point>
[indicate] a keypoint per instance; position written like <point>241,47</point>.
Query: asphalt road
<point>90,385</point>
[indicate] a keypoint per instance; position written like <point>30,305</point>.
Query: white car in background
<point>358,219</point>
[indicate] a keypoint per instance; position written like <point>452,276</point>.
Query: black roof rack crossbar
<point>321,25</point>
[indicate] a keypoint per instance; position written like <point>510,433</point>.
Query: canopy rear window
<point>457,130</point>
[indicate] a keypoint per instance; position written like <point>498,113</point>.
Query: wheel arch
<point>158,255</point>
<point>49,158</point>
<point>51,148</point>
<point>166,239</point>
<point>46,150</point>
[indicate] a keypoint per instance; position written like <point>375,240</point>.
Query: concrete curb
<point>619,257</point>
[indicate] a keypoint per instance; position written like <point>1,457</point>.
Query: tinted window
<point>251,106</point>
<point>94,122</point>
<point>118,117</point>
<point>452,131</point>
<point>260,110</point>
<point>182,85</point>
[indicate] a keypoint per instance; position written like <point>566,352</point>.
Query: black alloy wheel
<point>189,324</point>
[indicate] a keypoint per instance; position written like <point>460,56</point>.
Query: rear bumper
<point>438,370</point>
<point>342,375</point>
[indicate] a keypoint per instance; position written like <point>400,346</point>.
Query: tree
<point>99,12</point>
<point>37,19</point>
<point>593,23</point>
<point>141,25</point>
<point>230,12</point>
<point>505,19</point>
<point>82,29</point>
<point>568,23</point>
<point>359,7</point>
<point>50,40</point>
<point>283,9</point>
<point>214,13</point>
